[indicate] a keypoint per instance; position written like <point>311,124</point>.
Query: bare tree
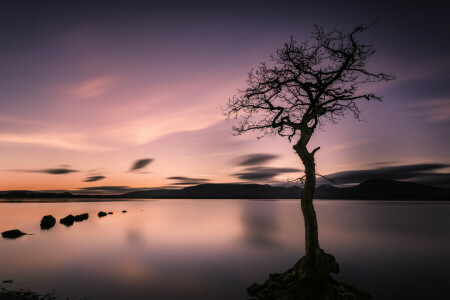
<point>304,86</point>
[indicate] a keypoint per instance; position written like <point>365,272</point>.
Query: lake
<point>215,249</point>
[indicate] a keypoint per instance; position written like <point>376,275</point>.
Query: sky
<point>112,96</point>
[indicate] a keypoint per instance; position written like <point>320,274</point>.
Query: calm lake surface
<point>215,249</point>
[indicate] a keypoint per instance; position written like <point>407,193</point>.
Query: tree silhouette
<point>304,86</point>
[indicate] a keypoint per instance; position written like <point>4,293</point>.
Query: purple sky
<point>89,88</point>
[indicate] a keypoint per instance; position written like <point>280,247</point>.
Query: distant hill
<point>236,191</point>
<point>38,195</point>
<point>384,189</point>
<point>150,194</point>
<point>222,191</point>
<point>374,189</point>
<point>30,194</point>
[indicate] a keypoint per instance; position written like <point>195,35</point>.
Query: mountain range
<point>374,189</point>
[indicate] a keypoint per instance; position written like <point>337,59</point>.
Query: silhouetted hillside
<point>30,194</point>
<point>150,194</point>
<point>374,189</point>
<point>384,189</point>
<point>41,195</point>
<point>236,191</point>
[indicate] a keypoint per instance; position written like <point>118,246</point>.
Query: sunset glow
<point>97,92</point>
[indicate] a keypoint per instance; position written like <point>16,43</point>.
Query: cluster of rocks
<point>49,221</point>
<point>103,214</point>
<point>70,219</point>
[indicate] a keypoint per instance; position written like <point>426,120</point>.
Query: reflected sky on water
<point>214,249</point>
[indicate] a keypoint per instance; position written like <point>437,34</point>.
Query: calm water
<point>214,249</point>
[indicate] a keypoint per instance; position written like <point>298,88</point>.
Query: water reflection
<point>214,249</point>
<point>260,224</point>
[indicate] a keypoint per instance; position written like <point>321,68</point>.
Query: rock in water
<point>82,217</point>
<point>68,221</point>
<point>102,214</point>
<point>12,234</point>
<point>48,222</point>
<point>110,213</point>
<point>124,211</point>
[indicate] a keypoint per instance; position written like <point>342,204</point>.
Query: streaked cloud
<point>347,145</point>
<point>65,141</point>
<point>108,189</point>
<point>94,87</point>
<point>144,130</point>
<point>432,111</point>
<point>140,164</point>
<point>94,178</point>
<point>263,173</point>
<point>181,180</point>
<point>55,171</point>
<point>431,173</point>
<point>254,159</point>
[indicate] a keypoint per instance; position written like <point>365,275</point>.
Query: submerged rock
<point>68,221</point>
<point>48,222</point>
<point>82,217</point>
<point>12,234</point>
<point>101,214</point>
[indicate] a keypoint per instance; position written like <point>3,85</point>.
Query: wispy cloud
<point>263,173</point>
<point>254,159</point>
<point>138,131</point>
<point>433,111</point>
<point>181,180</point>
<point>94,178</point>
<point>140,164</point>
<point>94,87</point>
<point>24,121</point>
<point>64,141</point>
<point>347,145</point>
<point>55,171</point>
<point>425,173</point>
<point>107,189</point>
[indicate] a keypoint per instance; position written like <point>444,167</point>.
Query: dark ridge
<point>384,189</point>
<point>235,191</point>
<point>373,189</point>
<point>147,194</point>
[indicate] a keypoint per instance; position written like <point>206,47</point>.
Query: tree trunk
<point>311,229</point>
<point>310,277</point>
